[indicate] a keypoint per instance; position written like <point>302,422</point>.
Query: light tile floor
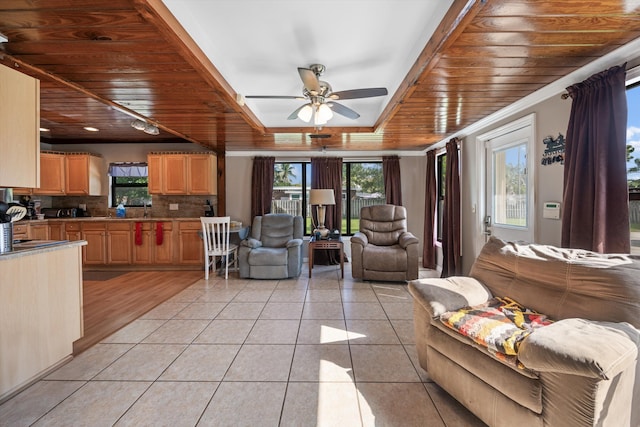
<point>323,351</point>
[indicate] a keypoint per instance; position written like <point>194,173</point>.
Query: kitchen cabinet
<point>72,231</point>
<point>182,173</point>
<point>19,129</point>
<point>119,243</point>
<point>55,231</point>
<point>149,251</point>
<point>201,174</point>
<point>84,174</point>
<point>39,232</point>
<point>191,246</point>
<point>20,230</point>
<point>52,174</point>
<point>95,233</point>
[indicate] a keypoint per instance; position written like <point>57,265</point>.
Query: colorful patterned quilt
<point>500,324</point>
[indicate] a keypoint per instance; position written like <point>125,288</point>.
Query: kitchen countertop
<point>104,218</point>
<point>39,246</point>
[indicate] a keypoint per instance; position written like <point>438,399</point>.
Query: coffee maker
<point>30,205</point>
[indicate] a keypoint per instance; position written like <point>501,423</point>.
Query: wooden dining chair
<point>215,235</point>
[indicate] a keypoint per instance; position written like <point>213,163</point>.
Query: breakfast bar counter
<point>40,310</point>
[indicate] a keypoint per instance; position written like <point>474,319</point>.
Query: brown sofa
<point>582,370</point>
<point>383,249</point>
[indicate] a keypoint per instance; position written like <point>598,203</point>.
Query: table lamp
<point>321,198</point>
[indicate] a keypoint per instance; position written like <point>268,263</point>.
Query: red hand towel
<point>138,233</point>
<point>159,233</point>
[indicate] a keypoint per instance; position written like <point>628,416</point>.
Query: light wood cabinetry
<point>40,313</point>
<point>95,233</point>
<point>56,231</point>
<point>72,231</point>
<point>191,247</point>
<point>19,129</point>
<point>39,232</point>
<point>52,175</point>
<point>84,174</point>
<point>119,243</point>
<point>182,173</point>
<point>20,230</point>
<point>151,249</point>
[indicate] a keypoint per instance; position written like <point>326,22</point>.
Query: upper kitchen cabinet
<point>182,173</point>
<point>84,175</point>
<point>52,176</point>
<point>19,129</point>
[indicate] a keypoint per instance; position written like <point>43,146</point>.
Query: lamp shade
<point>321,197</point>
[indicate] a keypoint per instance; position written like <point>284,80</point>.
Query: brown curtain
<point>596,202</point>
<point>261,185</point>
<point>430,200</point>
<point>392,184</point>
<point>326,172</point>
<point>451,263</point>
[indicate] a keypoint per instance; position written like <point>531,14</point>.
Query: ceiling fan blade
<point>360,93</point>
<point>273,97</point>
<point>294,115</point>
<point>345,111</point>
<point>310,80</point>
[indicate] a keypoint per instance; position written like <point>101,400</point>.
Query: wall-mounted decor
<point>554,152</point>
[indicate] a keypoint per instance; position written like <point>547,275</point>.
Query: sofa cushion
<point>384,258</point>
<point>440,295</point>
<point>581,347</point>
<point>562,283</point>
<point>268,256</point>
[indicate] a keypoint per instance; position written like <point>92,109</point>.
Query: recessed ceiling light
<point>91,129</point>
<point>45,130</point>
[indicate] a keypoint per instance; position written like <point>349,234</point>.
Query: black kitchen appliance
<point>59,213</point>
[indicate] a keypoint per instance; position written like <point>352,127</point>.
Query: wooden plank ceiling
<point>97,60</point>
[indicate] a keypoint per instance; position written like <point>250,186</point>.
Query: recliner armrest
<point>438,296</point>
<point>359,238</point>
<point>251,243</point>
<point>581,347</point>
<point>294,242</point>
<point>406,239</point>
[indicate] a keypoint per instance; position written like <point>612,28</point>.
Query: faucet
<point>145,215</point>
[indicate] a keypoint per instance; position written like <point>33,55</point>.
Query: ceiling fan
<point>321,97</point>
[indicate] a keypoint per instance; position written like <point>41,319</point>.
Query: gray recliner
<point>383,249</point>
<point>274,249</point>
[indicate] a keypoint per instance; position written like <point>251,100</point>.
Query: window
<point>633,164</point>
<point>129,184</point>
<point>292,182</point>
<point>362,185</point>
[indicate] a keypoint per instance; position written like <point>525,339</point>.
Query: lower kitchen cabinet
<point>95,233</point>
<point>72,231</point>
<point>39,232</point>
<point>119,243</point>
<point>155,244</point>
<point>191,249</point>
<point>55,231</point>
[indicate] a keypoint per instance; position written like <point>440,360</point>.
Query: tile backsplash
<point>188,206</point>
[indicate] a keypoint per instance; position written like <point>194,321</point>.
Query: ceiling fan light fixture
<point>324,113</point>
<point>151,129</point>
<point>305,113</point>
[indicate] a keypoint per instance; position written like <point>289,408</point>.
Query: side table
<point>326,244</point>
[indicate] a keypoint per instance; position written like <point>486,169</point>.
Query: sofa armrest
<point>581,347</point>
<point>406,239</point>
<point>359,238</point>
<point>438,296</point>
<point>293,243</point>
<point>251,243</point>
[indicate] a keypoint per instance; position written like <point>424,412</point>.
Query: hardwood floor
<point>113,303</point>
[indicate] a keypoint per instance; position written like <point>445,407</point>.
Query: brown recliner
<point>383,249</point>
